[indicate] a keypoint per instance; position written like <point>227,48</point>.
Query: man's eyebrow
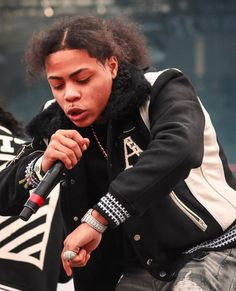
<point>77,72</point>
<point>71,75</point>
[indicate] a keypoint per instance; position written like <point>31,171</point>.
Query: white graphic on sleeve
<point>6,144</point>
<point>7,150</point>
<point>26,254</point>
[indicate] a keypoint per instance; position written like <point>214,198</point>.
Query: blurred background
<point>196,36</point>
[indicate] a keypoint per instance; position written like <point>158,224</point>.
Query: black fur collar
<point>130,90</point>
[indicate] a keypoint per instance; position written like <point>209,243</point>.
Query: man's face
<point>80,84</point>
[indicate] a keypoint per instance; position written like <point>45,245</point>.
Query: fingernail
<point>69,273</point>
<point>84,147</point>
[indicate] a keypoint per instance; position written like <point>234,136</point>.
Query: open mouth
<point>76,114</point>
<point>74,111</point>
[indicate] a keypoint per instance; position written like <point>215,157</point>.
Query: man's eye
<point>83,81</point>
<point>57,87</point>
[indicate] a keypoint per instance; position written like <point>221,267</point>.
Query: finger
<point>67,268</point>
<point>70,244</point>
<point>86,144</point>
<point>82,142</point>
<point>81,259</point>
<point>52,155</point>
<point>80,264</point>
<point>76,145</point>
<point>75,136</point>
<point>66,265</point>
<point>69,255</point>
<point>66,144</point>
<point>68,156</point>
<point>81,255</point>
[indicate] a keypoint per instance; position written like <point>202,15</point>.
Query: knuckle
<point>71,155</point>
<point>59,131</point>
<point>74,147</point>
<point>73,133</point>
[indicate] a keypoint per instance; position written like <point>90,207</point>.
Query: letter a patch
<point>131,149</point>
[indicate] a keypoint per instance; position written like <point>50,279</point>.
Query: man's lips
<point>76,113</point>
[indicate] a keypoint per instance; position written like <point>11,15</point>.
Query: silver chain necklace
<point>104,153</point>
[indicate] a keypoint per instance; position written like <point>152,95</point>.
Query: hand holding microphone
<point>64,151</point>
<point>45,186</point>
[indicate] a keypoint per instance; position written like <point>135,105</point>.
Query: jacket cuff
<point>37,168</point>
<point>112,210</point>
<point>31,179</point>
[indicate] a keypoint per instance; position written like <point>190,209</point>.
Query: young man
<point>146,191</point>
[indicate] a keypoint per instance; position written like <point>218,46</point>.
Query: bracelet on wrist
<point>93,222</point>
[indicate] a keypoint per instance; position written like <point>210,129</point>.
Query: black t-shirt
<point>114,241</point>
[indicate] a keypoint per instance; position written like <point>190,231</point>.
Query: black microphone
<point>45,186</point>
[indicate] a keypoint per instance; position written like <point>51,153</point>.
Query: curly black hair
<point>101,38</point>
<point>9,121</point>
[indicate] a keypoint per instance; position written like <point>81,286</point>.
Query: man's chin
<point>82,124</point>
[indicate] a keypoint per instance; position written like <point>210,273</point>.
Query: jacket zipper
<point>198,221</point>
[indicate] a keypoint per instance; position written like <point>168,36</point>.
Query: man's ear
<point>113,66</point>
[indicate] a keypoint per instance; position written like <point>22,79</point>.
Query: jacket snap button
<point>76,218</point>
<point>137,237</point>
<point>72,181</point>
<point>149,262</point>
<point>162,274</point>
<point>63,183</point>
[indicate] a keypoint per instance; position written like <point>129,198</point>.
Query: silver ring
<point>69,255</point>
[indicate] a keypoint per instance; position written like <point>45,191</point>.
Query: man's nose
<point>72,93</point>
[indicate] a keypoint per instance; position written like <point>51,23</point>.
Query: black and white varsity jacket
<point>171,189</point>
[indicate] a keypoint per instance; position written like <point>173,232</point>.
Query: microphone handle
<point>40,193</point>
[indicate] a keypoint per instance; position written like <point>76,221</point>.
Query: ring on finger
<point>69,255</point>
